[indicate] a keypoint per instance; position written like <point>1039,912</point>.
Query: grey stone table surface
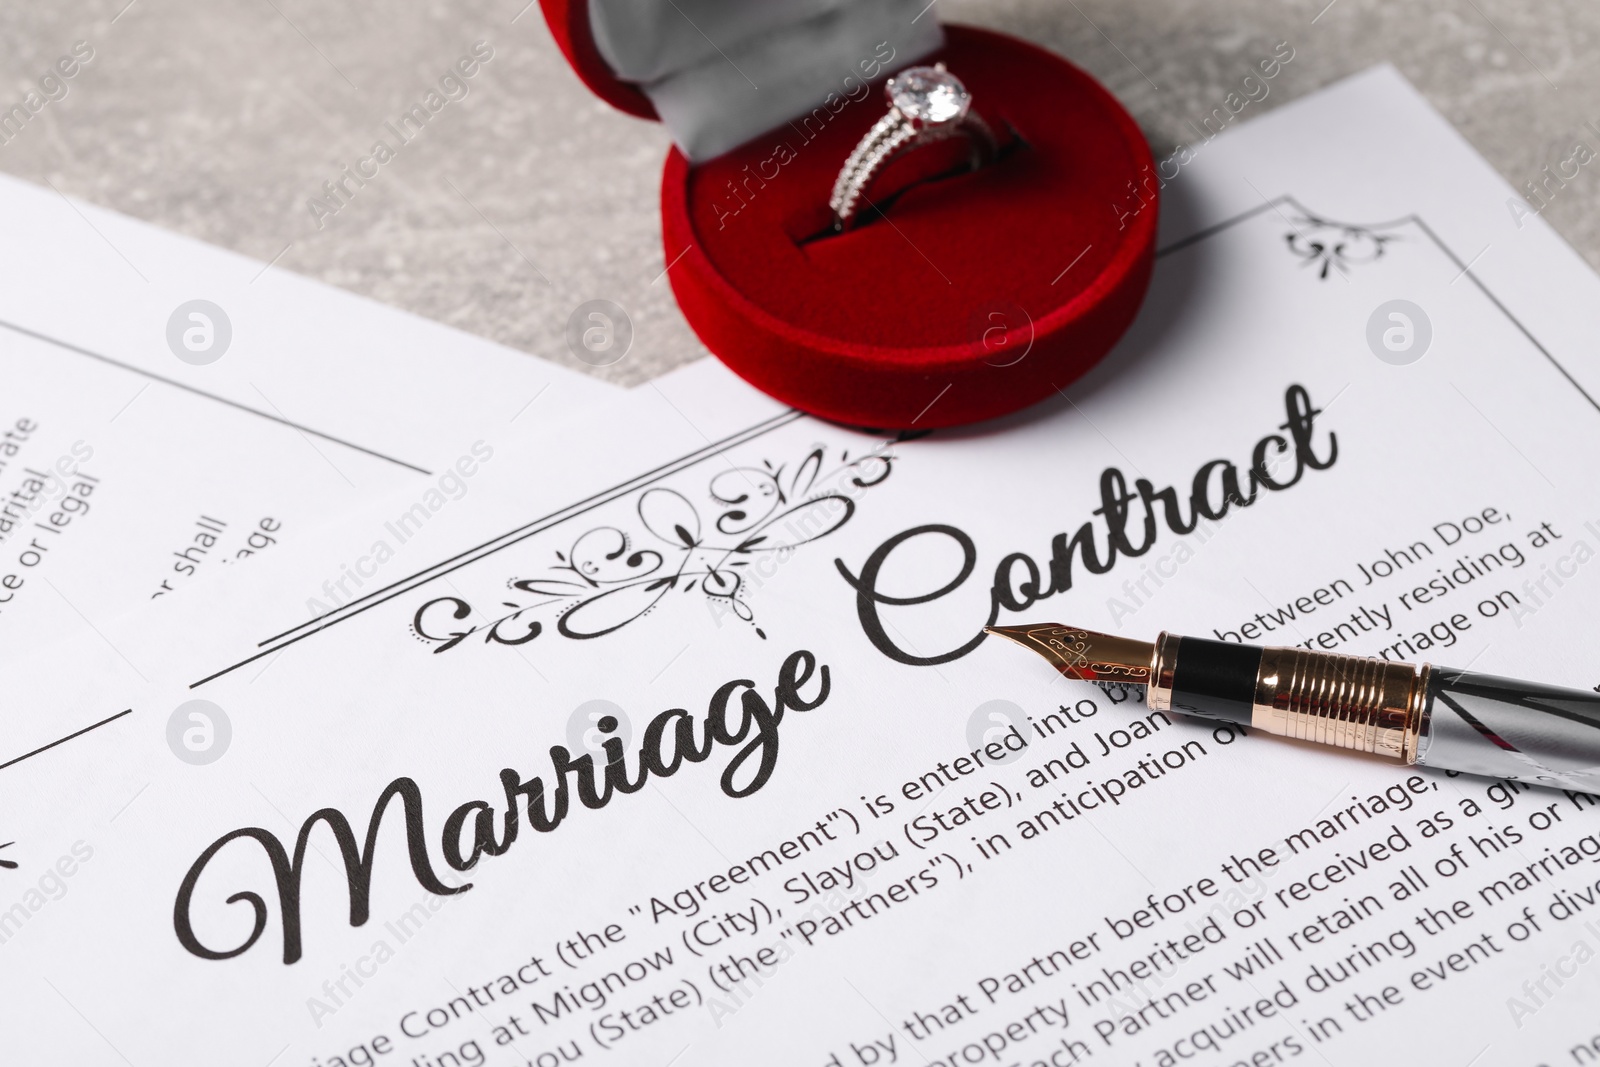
<point>221,119</point>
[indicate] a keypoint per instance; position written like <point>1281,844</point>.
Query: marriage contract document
<point>690,749</point>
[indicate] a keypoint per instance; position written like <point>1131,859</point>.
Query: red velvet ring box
<point>973,294</point>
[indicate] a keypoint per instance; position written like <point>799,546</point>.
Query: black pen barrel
<point>1216,679</point>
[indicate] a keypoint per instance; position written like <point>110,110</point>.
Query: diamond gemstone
<point>929,95</point>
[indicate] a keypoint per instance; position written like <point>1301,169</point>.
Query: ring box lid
<point>695,64</point>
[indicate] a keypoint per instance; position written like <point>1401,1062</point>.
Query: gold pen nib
<point>1084,654</point>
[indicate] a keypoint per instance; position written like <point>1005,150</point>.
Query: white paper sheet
<point>889,875</point>
<point>129,466</point>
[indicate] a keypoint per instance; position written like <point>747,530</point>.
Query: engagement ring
<point>926,105</point>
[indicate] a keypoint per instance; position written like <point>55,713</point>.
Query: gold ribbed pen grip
<point>1369,705</point>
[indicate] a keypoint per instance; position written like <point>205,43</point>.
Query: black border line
<point>670,467</point>
<point>750,433</point>
<point>488,548</point>
<point>1484,289</point>
<point>46,338</point>
<point>1216,228</point>
<point>64,740</point>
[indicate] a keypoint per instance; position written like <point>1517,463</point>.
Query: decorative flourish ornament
<point>1335,246</point>
<point>612,575</point>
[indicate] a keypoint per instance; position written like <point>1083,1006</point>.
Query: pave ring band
<point>926,105</point>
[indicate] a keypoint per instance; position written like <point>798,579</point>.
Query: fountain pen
<point>1433,716</point>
